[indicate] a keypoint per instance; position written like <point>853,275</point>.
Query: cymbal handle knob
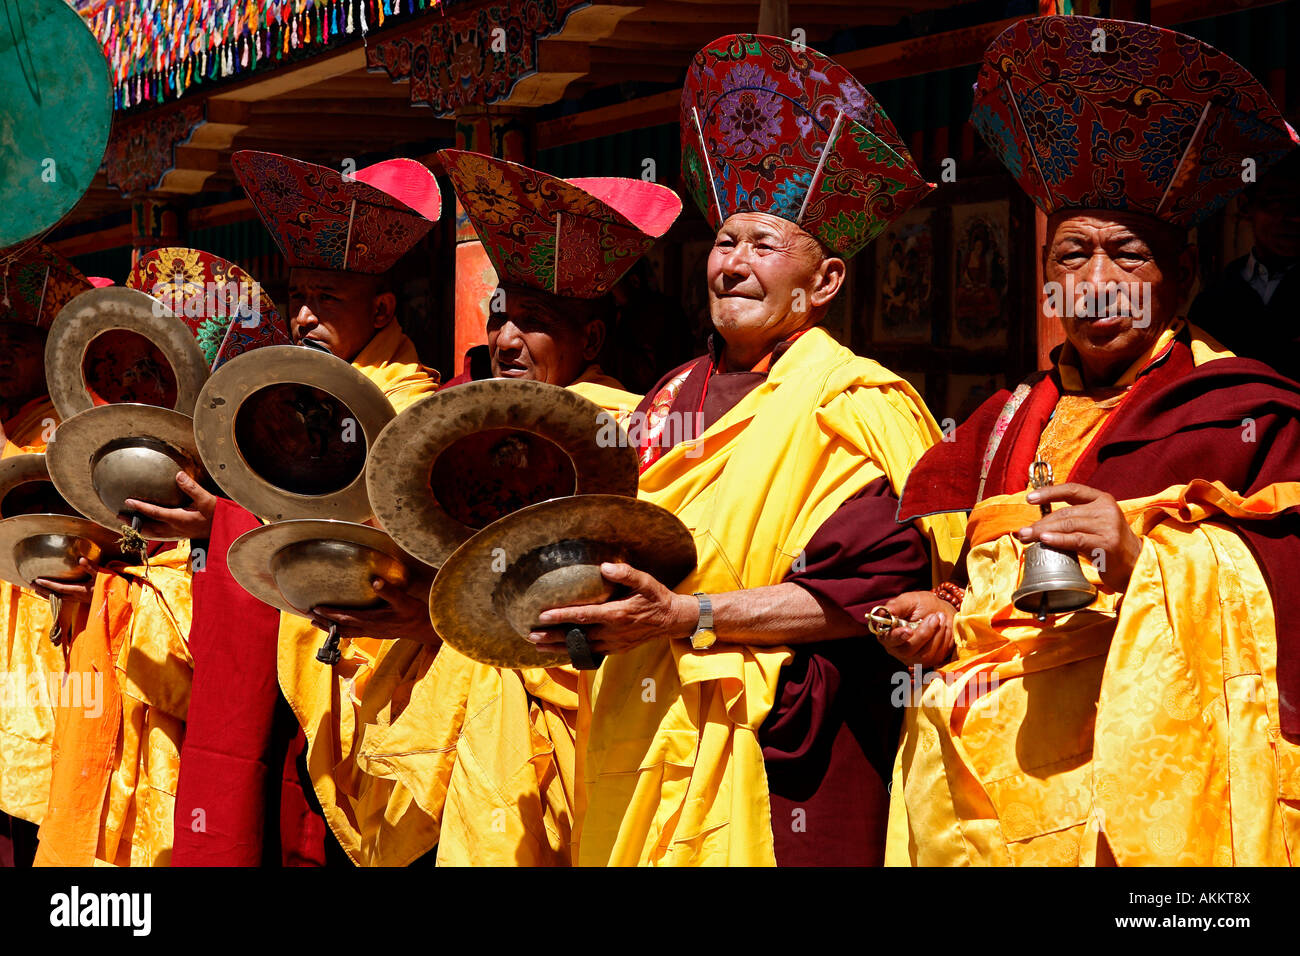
<point>328,653</point>
<point>580,652</point>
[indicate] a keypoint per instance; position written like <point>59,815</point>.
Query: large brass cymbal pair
<point>40,537</point>
<point>519,490</point>
<point>124,347</point>
<point>284,431</point>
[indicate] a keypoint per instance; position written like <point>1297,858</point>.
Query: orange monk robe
<point>670,768</point>
<point>141,623</point>
<point>31,667</point>
<point>325,699</point>
<point>488,755</point>
<point>1141,730</point>
<point>117,751</point>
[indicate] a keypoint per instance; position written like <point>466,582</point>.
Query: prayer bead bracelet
<point>954,594</point>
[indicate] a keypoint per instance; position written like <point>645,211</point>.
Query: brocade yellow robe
<point>670,768</point>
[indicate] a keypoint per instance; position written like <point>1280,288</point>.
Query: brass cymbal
<point>300,563</point>
<point>284,430</point>
<point>26,488</point>
<point>49,546</point>
<point>460,459</point>
<point>111,452</point>
<point>107,324</point>
<point>487,595</point>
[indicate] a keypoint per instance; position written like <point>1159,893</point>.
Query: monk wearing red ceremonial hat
<point>487,753</point>
<point>744,718</point>
<point>340,234</point>
<point>35,283</point>
<point>1140,706</point>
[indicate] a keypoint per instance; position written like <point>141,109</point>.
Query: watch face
<point>703,639</point>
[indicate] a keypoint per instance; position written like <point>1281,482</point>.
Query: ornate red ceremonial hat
<point>574,237</point>
<point>321,219</point>
<point>35,284</point>
<point>225,307</point>
<point>1108,114</point>
<point>771,127</point>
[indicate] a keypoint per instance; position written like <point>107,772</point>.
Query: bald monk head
<point>545,338</point>
<point>1116,281</point>
<point>768,279</point>
<point>341,311</point>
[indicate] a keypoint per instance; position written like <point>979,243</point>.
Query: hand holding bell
<point>1051,580</point>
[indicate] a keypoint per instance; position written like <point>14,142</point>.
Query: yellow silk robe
<point>31,667</point>
<point>116,762</point>
<point>1151,719</point>
<point>487,754</point>
<point>326,700</point>
<point>670,768</point>
<point>447,752</point>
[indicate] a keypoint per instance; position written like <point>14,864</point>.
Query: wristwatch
<point>704,637</point>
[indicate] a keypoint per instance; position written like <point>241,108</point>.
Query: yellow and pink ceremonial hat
<point>35,283</point>
<point>323,219</point>
<point>568,237</point>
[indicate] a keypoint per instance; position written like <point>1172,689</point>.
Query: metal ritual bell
<point>1051,581</point>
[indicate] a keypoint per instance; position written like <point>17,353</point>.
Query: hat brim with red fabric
<point>322,219</point>
<point>1108,114</point>
<point>572,238</point>
<point>225,307</point>
<point>776,128</point>
<point>35,283</point>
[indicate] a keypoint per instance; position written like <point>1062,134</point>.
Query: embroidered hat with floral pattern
<point>322,219</point>
<point>1108,114</point>
<point>225,307</point>
<point>773,127</point>
<point>35,283</point>
<point>572,238</point>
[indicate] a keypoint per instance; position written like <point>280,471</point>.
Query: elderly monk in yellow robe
<point>244,797</point>
<point>37,284</point>
<point>1157,724</point>
<point>488,754</point>
<point>744,719</point>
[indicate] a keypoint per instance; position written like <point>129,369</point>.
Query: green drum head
<point>54,114</point>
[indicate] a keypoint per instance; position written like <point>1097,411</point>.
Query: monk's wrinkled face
<point>22,362</point>
<point>340,310</point>
<point>1116,281</point>
<point>543,338</point>
<point>768,279</point>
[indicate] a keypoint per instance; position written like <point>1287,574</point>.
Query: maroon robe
<point>243,746</point>
<point>1177,423</point>
<point>829,742</point>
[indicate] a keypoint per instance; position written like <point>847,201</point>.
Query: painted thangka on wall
<point>980,274</point>
<point>904,279</point>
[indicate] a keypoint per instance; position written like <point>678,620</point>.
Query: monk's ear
<point>384,308</point>
<point>830,277</point>
<point>593,339</point>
